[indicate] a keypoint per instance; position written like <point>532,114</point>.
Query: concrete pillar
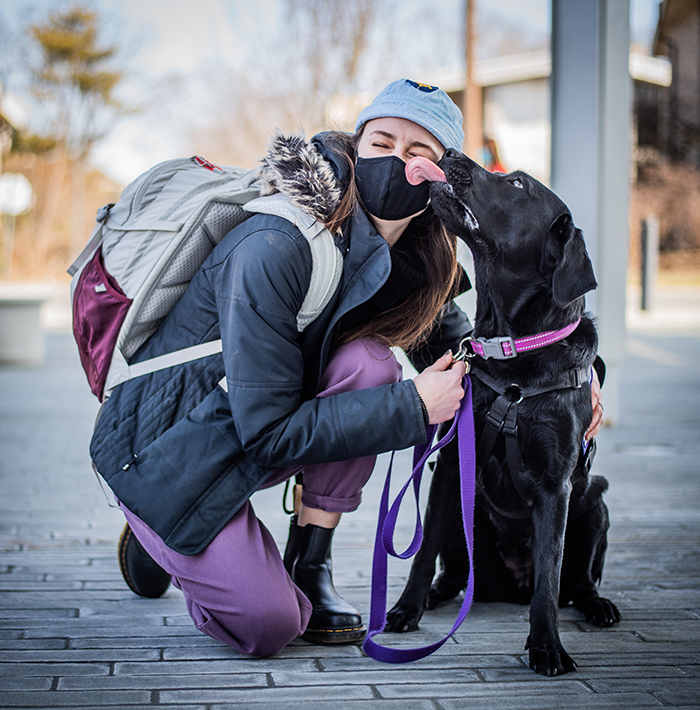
<point>591,111</point>
<point>22,337</point>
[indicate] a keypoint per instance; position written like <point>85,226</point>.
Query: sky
<point>164,39</point>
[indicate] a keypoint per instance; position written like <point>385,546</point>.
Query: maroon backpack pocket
<point>99,309</point>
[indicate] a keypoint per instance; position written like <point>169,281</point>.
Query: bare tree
<point>333,35</point>
<point>288,81</point>
<point>331,38</point>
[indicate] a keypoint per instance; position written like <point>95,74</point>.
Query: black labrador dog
<point>540,530</point>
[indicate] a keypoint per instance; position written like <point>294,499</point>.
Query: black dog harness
<point>502,418</point>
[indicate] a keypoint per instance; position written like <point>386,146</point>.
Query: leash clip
<point>464,354</point>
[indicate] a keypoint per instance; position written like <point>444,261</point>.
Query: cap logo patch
<point>422,87</point>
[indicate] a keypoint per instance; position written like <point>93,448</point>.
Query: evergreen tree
<point>74,80</point>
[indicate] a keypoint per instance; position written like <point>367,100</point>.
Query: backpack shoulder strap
<point>327,261</point>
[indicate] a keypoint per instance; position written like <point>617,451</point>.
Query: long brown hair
<point>408,324</point>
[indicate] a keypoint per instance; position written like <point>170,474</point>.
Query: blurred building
<point>678,109</point>
<point>516,101</point>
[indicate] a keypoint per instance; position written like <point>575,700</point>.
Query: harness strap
<point>570,379</point>
<point>503,418</point>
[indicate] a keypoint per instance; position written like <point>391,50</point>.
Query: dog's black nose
<point>452,153</point>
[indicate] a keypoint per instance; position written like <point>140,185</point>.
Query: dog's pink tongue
<point>419,169</point>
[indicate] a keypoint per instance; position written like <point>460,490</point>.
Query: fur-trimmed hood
<point>296,168</point>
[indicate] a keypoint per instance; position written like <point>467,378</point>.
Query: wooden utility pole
<point>471,98</point>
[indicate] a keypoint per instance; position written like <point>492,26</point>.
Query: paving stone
<point>669,631</point>
<point>291,651</point>
<point>31,644</point>
<point>369,677</point>
<point>46,614</point>
<point>86,624</point>
<point>257,695</point>
<point>660,615</point>
<point>647,685</point>
<point>553,699</point>
<point>434,661</point>
<point>337,705</point>
<point>141,642</point>
<point>573,641</point>
<point>588,673</point>
<point>244,665</point>
<point>121,635</point>
<point>680,698</point>
<point>10,634</point>
<point>90,698</point>
<point>20,586</point>
<point>68,655</point>
<point>613,659</point>
<point>466,690</point>
<point>53,669</point>
<point>132,706</point>
<point>24,683</point>
<point>161,682</point>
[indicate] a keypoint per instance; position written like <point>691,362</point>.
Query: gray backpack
<point>147,247</point>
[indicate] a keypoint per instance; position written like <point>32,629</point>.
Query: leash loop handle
<point>421,455</point>
<point>463,425</point>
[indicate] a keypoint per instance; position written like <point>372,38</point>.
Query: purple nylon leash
<point>463,427</point>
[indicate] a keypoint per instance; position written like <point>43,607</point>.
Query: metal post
<point>591,110</point>
<point>650,261</point>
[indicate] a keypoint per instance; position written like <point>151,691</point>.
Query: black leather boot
<point>333,620</point>
<point>141,572</point>
<point>291,551</point>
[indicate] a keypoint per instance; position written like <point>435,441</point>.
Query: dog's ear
<point>573,272</point>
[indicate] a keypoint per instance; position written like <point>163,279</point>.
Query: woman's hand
<point>440,388</point>
<point>597,403</point>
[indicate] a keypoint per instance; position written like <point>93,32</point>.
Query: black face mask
<point>385,191</point>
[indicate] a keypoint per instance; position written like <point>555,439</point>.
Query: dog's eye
<point>517,182</point>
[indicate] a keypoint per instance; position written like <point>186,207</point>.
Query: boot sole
<point>325,637</point>
<point>124,540</point>
<point>123,543</point>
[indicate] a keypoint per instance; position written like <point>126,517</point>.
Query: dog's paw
<point>402,618</point>
<point>600,611</point>
<point>550,660</point>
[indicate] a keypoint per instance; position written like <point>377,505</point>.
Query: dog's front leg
<point>549,512</point>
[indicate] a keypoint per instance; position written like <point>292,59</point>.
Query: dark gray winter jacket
<point>184,455</point>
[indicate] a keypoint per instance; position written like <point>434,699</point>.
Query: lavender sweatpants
<point>236,589</point>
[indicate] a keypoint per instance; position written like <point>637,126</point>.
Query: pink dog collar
<point>505,347</point>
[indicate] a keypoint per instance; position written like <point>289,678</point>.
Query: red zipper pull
<point>206,164</point>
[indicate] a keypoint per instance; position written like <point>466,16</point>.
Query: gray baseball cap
<point>428,106</point>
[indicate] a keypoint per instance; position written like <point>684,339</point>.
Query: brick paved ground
<point>73,636</point>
